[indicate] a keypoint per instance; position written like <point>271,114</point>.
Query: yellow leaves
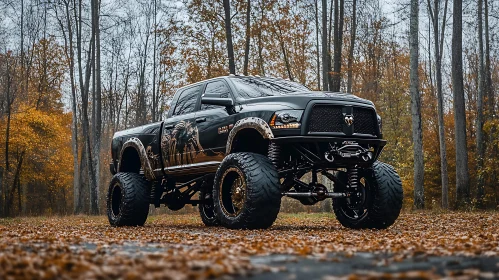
<point>45,139</point>
<point>39,139</point>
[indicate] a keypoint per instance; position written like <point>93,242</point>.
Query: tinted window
<point>215,89</point>
<point>250,87</point>
<point>187,100</point>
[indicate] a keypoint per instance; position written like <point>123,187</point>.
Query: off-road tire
<point>207,212</point>
<point>384,201</point>
<point>128,200</point>
<point>262,194</point>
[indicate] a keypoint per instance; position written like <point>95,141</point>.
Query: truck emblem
<point>349,120</point>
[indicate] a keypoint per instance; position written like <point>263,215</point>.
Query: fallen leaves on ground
<point>180,247</point>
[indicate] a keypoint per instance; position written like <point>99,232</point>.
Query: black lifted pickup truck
<point>244,142</point>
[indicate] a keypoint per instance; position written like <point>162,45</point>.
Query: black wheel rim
<point>232,192</point>
<point>359,211</point>
<point>116,200</point>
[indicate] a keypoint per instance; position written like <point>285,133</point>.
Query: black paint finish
<point>196,141</point>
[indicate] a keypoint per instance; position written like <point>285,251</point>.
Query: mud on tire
<point>128,200</point>
<point>383,189</point>
<point>246,192</point>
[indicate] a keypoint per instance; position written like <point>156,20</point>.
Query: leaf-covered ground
<point>180,247</point>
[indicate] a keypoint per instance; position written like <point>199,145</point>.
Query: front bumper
<point>334,151</point>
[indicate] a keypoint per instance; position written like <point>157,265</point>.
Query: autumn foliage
<point>36,151</point>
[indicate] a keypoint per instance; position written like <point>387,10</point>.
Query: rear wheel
<point>128,200</point>
<point>379,203</point>
<point>246,191</point>
<point>207,209</point>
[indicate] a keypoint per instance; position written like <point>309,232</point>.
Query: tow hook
<point>329,156</point>
<point>348,150</point>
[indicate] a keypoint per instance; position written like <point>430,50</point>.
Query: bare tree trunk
<point>77,9</point>
<point>325,56</point>
<point>94,192</point>
<point>285,56</point>
<point>228,35</point>
<point>260,43</point>
<point>489,94</point>
<point>353,34</point>
<point>141,112</point>
<point>480,145</point>
<point>338,45</point>
<point>19,200</point>
<point>248,38</point>
<point>77,200</point>
<point>317,44</point>
<point>154,103</point>
<point>417,135</point>
<point>17,175</point>
<point>462,175</point>
<point>488,79</point>
<point>10,101</point>
<point>85,86</point>
<point>438,42</point>
<point>9,108</point>
<point>2,191</point>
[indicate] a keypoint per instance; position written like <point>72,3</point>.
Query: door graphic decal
<point>181,144</point>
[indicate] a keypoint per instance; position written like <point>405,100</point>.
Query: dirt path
<point>301,246</point>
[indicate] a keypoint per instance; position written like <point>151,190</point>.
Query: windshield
<point>252,87</point>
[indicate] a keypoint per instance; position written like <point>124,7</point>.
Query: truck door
<point>180,140</point>
<point>214,123</point>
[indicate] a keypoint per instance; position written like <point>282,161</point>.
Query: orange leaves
<point>179,247</point>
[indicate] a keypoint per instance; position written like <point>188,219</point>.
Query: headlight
<point>286,119</point>
<point>380,124</point>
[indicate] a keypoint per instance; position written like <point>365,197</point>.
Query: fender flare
<point>136,144</point>
<point>255,123</point>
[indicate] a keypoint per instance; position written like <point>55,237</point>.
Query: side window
<point>187,100</point>
<point>215,89</point>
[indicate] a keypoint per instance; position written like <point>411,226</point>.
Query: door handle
<point>169,126</point>
<point>198,120</point>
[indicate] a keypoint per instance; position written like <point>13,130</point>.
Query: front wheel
<point>380,203</point>
<point>128,200</point>
<point>246,192</point>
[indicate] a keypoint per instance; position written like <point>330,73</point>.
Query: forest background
<point>73,72</point>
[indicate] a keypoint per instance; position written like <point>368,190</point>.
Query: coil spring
<point>274,154</point>
<point>152,196</point>
<point>353,177</point>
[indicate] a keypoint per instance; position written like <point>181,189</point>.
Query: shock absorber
<point>154,193</point>
<point>157,189</point>
<point>353,178</point>
<point>274,154</point>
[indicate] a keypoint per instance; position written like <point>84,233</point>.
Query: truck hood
<point>301,99</point>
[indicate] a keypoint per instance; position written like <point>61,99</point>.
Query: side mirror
<point>227,102</point>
